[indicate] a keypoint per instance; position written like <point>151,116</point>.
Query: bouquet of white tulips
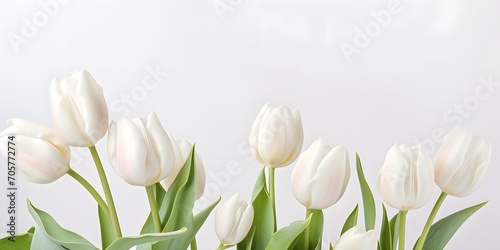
<point>143,154</point>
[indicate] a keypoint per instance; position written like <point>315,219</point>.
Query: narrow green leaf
<point>129,242</point>
<point>107,231</point>
<point>368,201</point>
<point>263,220</point>
<point>19,242</point>
<point>394,227</point>
<point>442,231</point>
<point>284,237</point>
<point>183,241</point>
<point>385,232</point>
<point>54,233</point>
<point>351,221</point>
<point>181,207</point>
<point>31,230</point>
<point>331,247</point>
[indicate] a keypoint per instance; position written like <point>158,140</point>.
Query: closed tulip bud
<point>40,154</point>
<point>321,174</point>
<point>183,148</point>
<point>140,150</point>
<point>357,238</point>
<point>461,162</point>
<point>406,179</point>
<point>79,111</point>
<point>233,220</point>
<point>276,137</point>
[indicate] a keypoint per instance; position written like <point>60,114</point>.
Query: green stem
<point>222,246</point>
<point>402,227</point>
<point>273,195</point>
<point>154,208</point>
<point>194,245</point>
<point>307,230</point>
<point>430,220</point>
<point>91,190</point>
<point>107,192</point>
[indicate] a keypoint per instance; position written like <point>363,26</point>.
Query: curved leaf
<point>351,221</point>
<point>385,232</point>
<point>129,242</point>
<point>442,231</point>
<point>263,220</point>
<point>368,201</point>
<point>54,233</point>
<point>285,237</point>
<point>18,242</point>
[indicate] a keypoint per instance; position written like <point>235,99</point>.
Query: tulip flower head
<point>406,179</point>
<point>41,155</point>
<point>233,220</point>
<point>276,137</point>
<point>357,239</point>
<point>140,151</point>
<point>321,174</point>
<point>182,149</point>
<point>461,162</point>
<point>79,111</point>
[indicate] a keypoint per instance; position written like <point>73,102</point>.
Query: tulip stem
<point>223,246</point>
<point>430,220</point>
<point>154,208</point>
<point>273,195</point>
<point>307,230</point>
<point>402,227</point>
<point>107,192</point>
<point>91,190</point>
<point>194,245</point>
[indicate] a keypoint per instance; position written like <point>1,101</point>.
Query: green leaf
<point>19,242</point>
<point>368,201</point>
<point>180,199</point>
<point>129,242</point>
<point>352,220</point>
<point>31,230</point>
<point>284,237</point>
<point>184,240</point>
<point>107,232</point>
<point>55,234</point>
<point>385,232</point>
<point>331,247</point>
<point>394,227</point>
<point>442,231</point>
<point>263,220</point>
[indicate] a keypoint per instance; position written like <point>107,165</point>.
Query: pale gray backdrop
<point>364,73</point>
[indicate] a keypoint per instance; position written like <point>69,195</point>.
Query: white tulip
<point>276,137</point>
<point>41,155</point>
<point>461,162</point>
<point>79,111</point>
<point>406,179</point>
<point>357,239</point>
<point>183,148</point>
<point>321,174</point>
<point>233,220</point>
<point>140,150</point>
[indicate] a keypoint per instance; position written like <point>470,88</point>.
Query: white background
<point>418,75</point>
